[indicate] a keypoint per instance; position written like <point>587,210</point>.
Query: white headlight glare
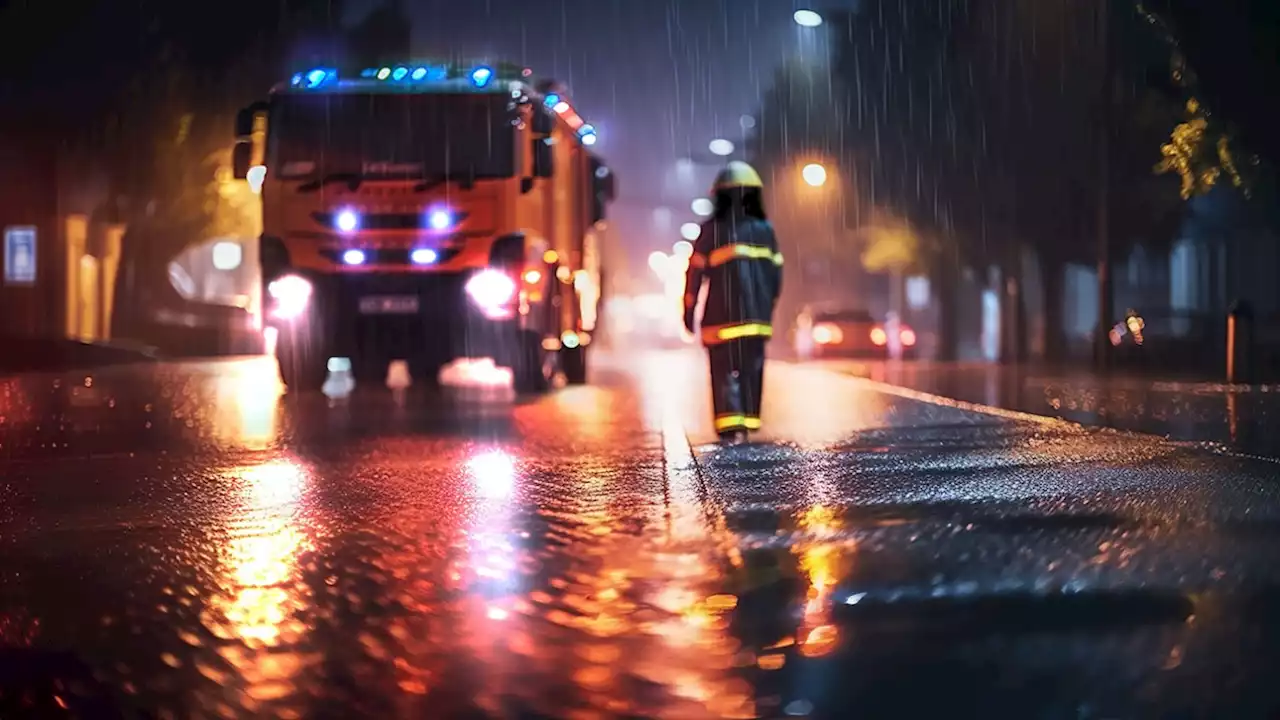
<point>440,219</point>
<point>291,295</point>
<point>346,220</point>
<point>491,289</point>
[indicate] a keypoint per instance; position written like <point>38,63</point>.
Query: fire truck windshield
<point>427,135</point>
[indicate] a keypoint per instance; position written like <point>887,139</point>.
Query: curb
<point>934,399</point>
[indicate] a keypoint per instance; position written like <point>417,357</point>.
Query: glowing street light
<point>720,147</point>
<point>807,18</point>
<point>814,174</point>
<point>689,231</point>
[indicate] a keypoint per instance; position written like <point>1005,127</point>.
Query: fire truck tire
<point>533,368</point>
<point>302,368</point>
<point>573,361</point>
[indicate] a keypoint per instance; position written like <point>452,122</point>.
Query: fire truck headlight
<point>353,257</point>
<point>346,220</point>
<point>491,290</point>
<point>424,256</point>
<point>291,295</point>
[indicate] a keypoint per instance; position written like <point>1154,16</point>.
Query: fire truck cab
<point>426,211</point>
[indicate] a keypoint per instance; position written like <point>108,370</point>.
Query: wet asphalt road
<point>179,541</point>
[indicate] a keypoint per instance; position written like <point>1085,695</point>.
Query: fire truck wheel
<point>573,361</point>
<point>302,368</point>
<point>534,367</point>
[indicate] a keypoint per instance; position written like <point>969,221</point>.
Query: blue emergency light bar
<point>479,76</point>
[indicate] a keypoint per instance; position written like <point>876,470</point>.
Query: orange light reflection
<point>246,404</point>
<point>820,559</point>
<point>260,595</point>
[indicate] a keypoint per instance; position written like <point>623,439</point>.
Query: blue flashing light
<point>297,80</point>
<point>315,78</point>
<point>369,72</point>
<point>384,73</point>
<point>400,73</point>
<point>419,74</point>
<point>481,76</point>
<point>440,219</point>
<point>551,100</point>
<point>347,221</point>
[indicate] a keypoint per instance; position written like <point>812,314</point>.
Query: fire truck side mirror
<point>609,187</point>
<point>241,159</point>
<point>602,189</point>
<point>542,122</point>
<point>543,167</point>
<point>244,122</point>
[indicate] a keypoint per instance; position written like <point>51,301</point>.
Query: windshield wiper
<point>352,180</point>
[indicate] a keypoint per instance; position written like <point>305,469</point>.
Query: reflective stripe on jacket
<point>738,258</point>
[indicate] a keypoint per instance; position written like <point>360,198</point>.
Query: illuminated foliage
<point>1199,150</point>
<point>1198,161</point>
<point>890,245</point>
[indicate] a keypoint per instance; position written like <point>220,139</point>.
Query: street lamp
<point>720,147</point>
<point>807,18</point>
<point>814,174</point>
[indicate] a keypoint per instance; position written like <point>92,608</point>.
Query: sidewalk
<point>21,354</point>
<point>1245,418</point>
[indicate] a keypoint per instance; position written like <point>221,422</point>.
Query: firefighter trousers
<point>737,382</point>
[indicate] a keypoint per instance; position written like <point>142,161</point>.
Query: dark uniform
<point>737,255</point>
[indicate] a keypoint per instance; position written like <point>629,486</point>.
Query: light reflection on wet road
<point>184,541</point>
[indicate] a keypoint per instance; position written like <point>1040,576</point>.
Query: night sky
<point>659,78</point>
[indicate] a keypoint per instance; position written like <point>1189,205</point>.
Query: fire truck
<point>427,212</point>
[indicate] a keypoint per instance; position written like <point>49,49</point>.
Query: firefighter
<point>736,255</point>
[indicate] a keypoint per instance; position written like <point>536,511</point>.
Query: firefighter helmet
<point>737,174</point>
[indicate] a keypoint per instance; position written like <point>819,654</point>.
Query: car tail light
<point>879,337</point>
<point>827,334</point>
<point>907,336</point>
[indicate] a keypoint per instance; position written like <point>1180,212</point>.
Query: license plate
<point>389,305</point>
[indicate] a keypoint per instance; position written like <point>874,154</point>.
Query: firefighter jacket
<point>739,259</point>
